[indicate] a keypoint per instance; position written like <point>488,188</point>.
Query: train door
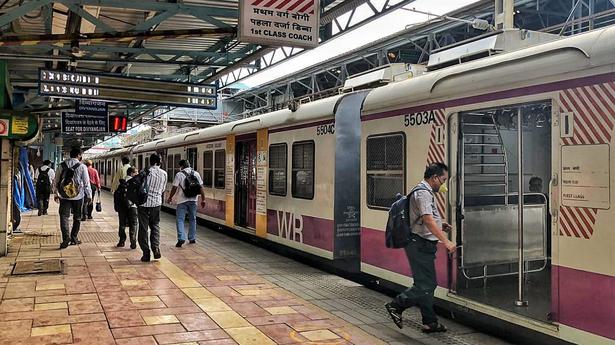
<point>503,165</point>
<point>245,183</point>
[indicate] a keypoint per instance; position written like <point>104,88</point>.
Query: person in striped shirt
<point>149,212</point>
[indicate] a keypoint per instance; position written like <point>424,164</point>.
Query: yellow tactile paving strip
<point>107,296</point>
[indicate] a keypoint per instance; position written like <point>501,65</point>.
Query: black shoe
<point>395,314</point>
<point>75,242</point>
<point>145,258</point>
<point>120,244</point>
<point>179,243</point>
<point>63,245</point>
<point>192,241</point>
<point>133,245</point>
<point>40,213</point>
<point>433,328</point>
<point>83,219</point>
<point>90,217</point>
<point>156,253</point>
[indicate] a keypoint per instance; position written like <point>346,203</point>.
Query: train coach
<point>528,129</point>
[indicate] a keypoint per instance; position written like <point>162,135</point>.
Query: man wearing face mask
<point>427,229</point>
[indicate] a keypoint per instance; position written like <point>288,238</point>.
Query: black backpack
<point>399,228</point>
<point>68,186</point>
<point>120,197</point>
<point>137,188</point>
<point>43,186</point>
<point>192,187</point>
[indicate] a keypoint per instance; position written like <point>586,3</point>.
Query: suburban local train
<point>524,120</point>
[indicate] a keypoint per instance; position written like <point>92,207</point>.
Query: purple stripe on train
<point>315,232</point>
<point>214,208</point>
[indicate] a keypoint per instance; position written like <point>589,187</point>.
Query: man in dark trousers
<point>72,190</point>
<point>427,229</point>
<point>149,212</point>
<point>44,180</point>
<point>127,212</point>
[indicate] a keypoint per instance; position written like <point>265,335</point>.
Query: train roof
<point>532,65</point>
<point>305,113</point>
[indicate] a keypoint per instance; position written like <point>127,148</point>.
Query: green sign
<point>18,127</point>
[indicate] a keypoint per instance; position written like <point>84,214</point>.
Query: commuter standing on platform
<point>149,211</point>
<point>120,173</point>
<point>426,229</point>
<point>72,190</point>
<point>44,180</point>
<point>188,185</point>
<point>95,186</point>
<point>126,211</point>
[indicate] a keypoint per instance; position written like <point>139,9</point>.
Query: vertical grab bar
<point>521,302</point>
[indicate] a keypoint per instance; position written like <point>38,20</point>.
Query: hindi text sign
<point>280,23</point>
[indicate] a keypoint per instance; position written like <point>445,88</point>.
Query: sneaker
<point>89,217</point>
<point>395,314</point>
<point>40,213</point>
<point>156,253</point>
<point>120,244</point>
<point>192,241</point>
<point>63,245</point>
<point>180,243</point>
<point>434,327</point>
<point>133,245</point>
<point>75,242</point>
<point>145,258</point>
<point>83,219</point>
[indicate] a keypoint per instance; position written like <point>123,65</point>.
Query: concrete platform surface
<point>218,291</point>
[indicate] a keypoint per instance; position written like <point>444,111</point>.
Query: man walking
<point>149,211</point>
<point>95,186</point>
<point>427,229</point>
<point>72,191</point>
<point>44,180</point>
<point>120,173</point>
<point>188,185</point>
<point>126,210</point>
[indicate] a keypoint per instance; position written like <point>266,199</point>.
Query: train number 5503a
<point>418,119</point>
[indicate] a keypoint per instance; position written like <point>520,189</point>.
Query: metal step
<point>485,183</point>
<point>486,174</point>
<point>482,134</point>
<point>479,124</point>
<point>483,154</point>
<point>482,144</point>
<point>485,164</point>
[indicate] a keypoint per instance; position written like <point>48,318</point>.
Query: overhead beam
<point>90,18</point>
<point>148,5</point>
<point>29,40</point>
<point>115,61</point>
<point>22,10</point>
<point>155,20</point>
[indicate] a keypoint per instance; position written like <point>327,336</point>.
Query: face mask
<point>443,188</point>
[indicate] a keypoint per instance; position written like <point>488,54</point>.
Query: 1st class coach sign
<point>289,23</point>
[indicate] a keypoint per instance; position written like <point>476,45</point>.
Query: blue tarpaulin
<point>28,193</point>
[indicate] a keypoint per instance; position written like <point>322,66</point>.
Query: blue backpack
<point>399,228</point>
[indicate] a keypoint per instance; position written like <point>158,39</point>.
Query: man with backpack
<point>126,211</point>
<point>150,186</point>
<point>72,191</point>
<point>426,228</point>
<point>44,180</point>
<point>187,185</point>
<point>120,173</point>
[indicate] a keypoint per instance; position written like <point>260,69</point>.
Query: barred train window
<point>175,167</point>
<point>208,168</point>
<point>170,175</point>
<point>385,169</point>
<point>303,170</point>
<point>219,169</point>
<point>277,169</point>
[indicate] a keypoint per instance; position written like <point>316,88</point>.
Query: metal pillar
<point>504,12</point>
<point>6,195</point>
<point>521,302</point>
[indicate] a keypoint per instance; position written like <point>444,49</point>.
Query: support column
<point>6,194</point>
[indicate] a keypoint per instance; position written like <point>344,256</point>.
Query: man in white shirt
<point>82,194</point>
<point>44,180</point>
<point>120,174</point>
<point>186,204</point>
<point>149,212</point>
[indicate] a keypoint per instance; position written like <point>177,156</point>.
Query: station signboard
<point>84,123</point>
<point>90,107</point>
<point>280,23</point>
<point>114,88</point>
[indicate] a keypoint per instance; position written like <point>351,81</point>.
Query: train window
<point>219,169</point>
<point>140,162</point>
<point>109,168</point>
<point>277,169</point>
<point>208,168</point>
<point>191,155</point>
<point>170,165</point>
<point>303,170</point>
<point>386,156</point>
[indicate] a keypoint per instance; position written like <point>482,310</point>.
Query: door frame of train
<point>452,120</point>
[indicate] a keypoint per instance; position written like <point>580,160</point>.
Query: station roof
<point>190,40</point>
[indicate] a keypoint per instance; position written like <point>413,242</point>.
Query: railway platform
<point>218,291</point>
